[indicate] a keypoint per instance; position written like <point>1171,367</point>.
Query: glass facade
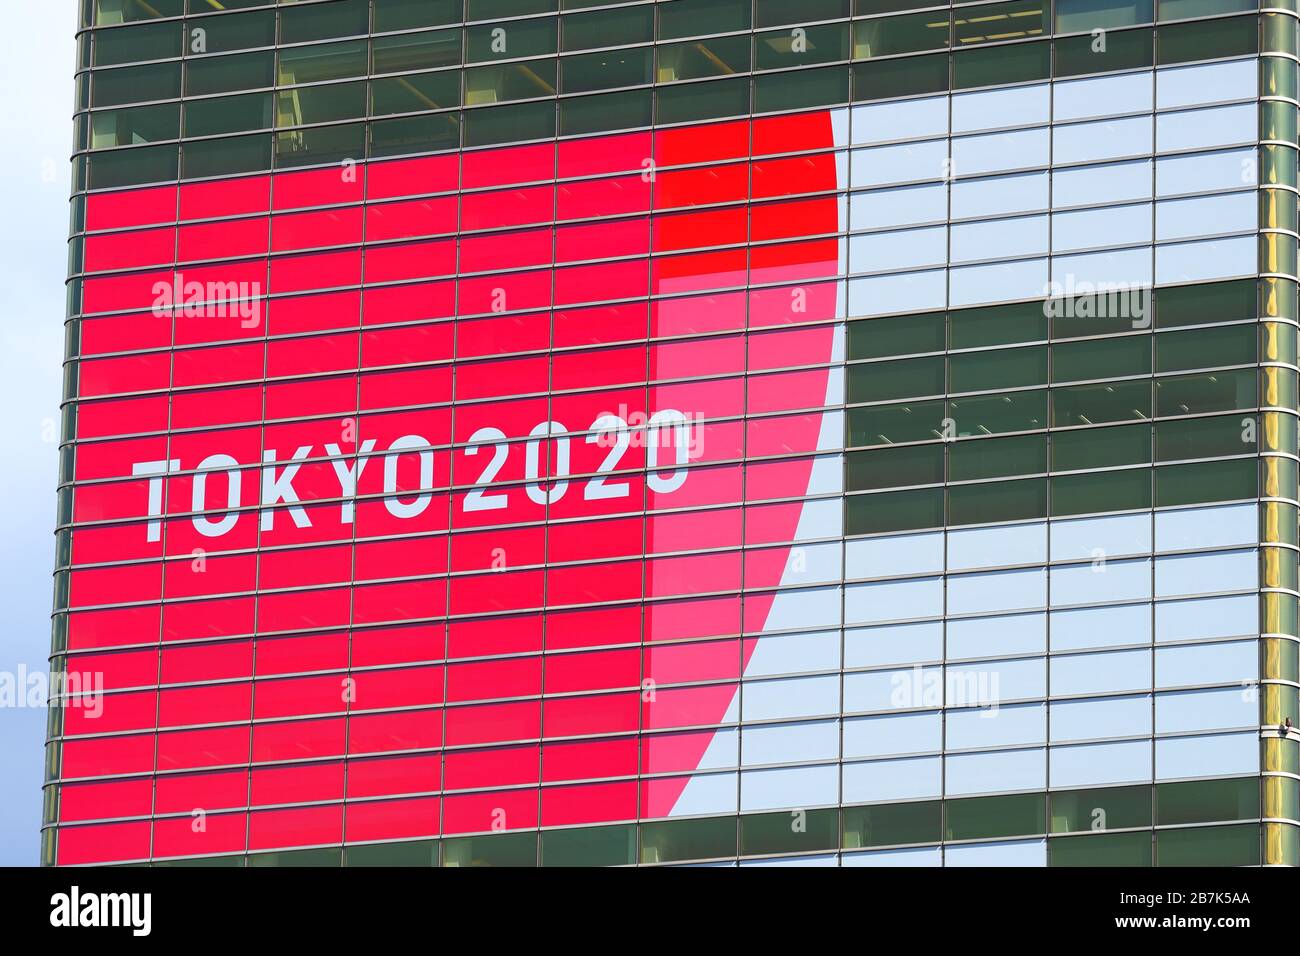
<point>523,432</point>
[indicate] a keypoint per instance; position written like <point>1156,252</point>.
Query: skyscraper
<point>798,432</point>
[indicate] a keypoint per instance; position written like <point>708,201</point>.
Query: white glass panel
<point>1206,573</point>
<point>1000,195</point>
<point>1216,527</point>
<point>795,653</point>
<point>882,780</point>
<point>1206,172</point>
<point>912,119</point>
<point>818,860</point>
<point>994,772</point>
<point>996,727</point>
<point>1101,764</point>
<point>1101,673</point>
<point>901,249</point>
<point>994,152</point>
<point>995,682</point>
<point>898,206</point>
<point>894,555</point>
<point>1127,267</point>
<point>1099,228</point>
<point>1207,663</point>
<point>892,734</point>
<point>1208,259</point>
<point>1114,536</point>
<point>1203,215</point>
<point>1207,617</point>
<point>789,787</point>
<point>999,239</point>
<point>1101,140</point>
<point>906,162</point>
<point>1003,545</point>
<point>1000,282</point>
<point>1020,853</point>
<point>999,636</point>
<point>1202,129</point>
<point>997,591</point>
<point>908,292</point>
<point>893,644</point>
<point>893,600</point>
<point>1100,718</point>
<point>1178,711</point>
<point>1001,108</point>
<point>790,743</point>
<point>915,856</point>
<point>1101,627</point>
<point>796,697</point>
<point>1207,83</point>
<point>1117,182</point>
<point>900,689</point>
<point>1101,582</point>
<point>1216,755</point>
<point>1101,95</point>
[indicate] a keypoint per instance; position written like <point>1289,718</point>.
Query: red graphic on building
<point>392,479</point>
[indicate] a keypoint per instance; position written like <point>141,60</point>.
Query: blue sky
<point>36,70</point>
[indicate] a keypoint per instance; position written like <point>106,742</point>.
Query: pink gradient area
<point>801,264</point>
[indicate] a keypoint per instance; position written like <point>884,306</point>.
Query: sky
<point>36,74</point>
